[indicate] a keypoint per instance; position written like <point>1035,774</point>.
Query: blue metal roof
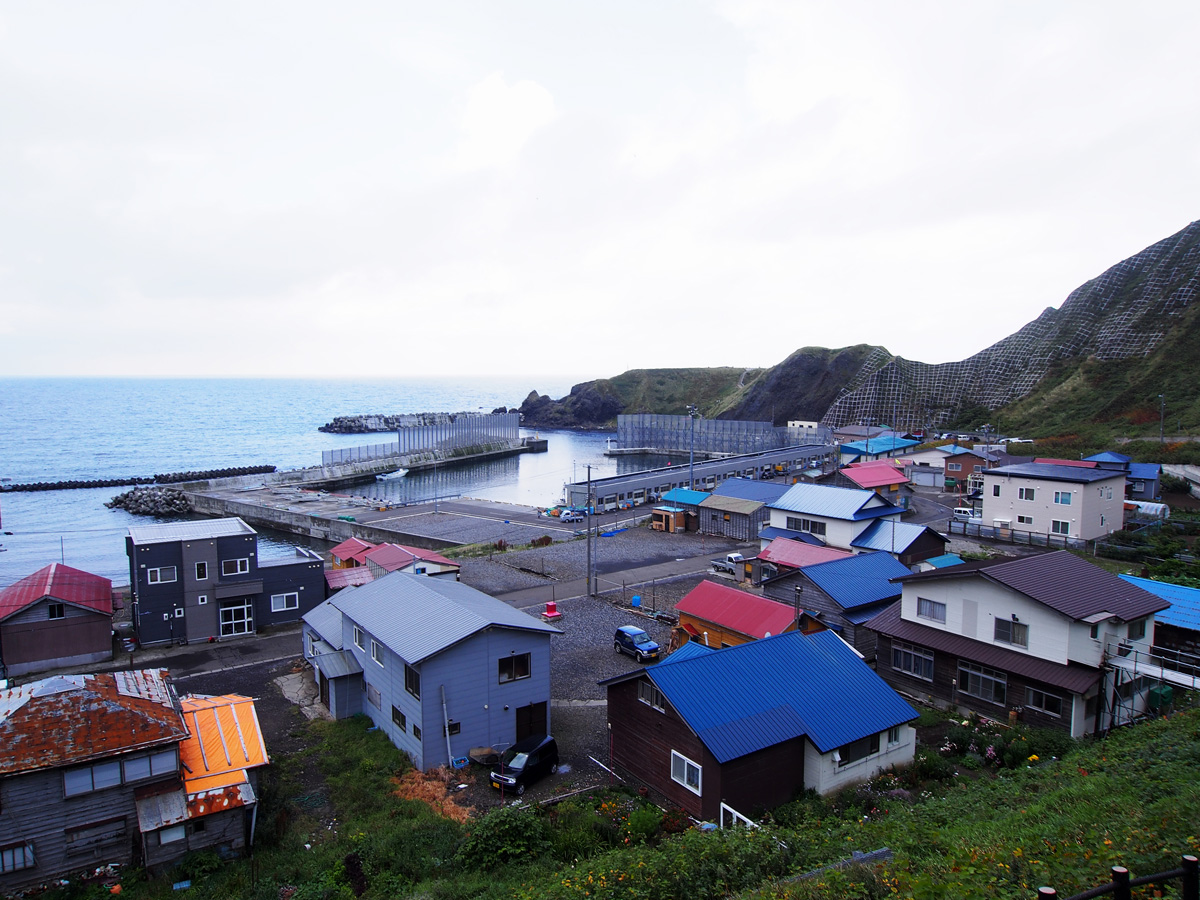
<point>878,445</point>
<point>687,651</point>
<point>946,559</point>
<point>834,502</point>
<point>745,698</point>
<point>861,614</point>
<point>770,532</point>
<point>1144,471</point>
<point>858,580</point>
<point>890,536</point>
<point>1109,456</point>
<point>1184,611</point>
<point>685,496</point>
<point>746,489</point>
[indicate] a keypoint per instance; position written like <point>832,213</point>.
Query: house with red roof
<point>716,615</point>
<point>56,618</point>
<point>351,553</point>
<point>882,476</point>
<point>388,558</point>
<point>785,555</point>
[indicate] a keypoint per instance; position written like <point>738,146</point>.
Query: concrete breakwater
<point>369,424</point>
<point>172,478</point>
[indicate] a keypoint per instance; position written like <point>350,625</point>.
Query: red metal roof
<point>58,582</point>
<point>352,548</point>
<point>796,554</point>
<point>874,476</point>
<point>736,610</point>
<point>392,557</point>
<point>75,718</point>
<point>337,579</point>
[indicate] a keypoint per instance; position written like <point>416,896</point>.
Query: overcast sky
<point>398,188</point>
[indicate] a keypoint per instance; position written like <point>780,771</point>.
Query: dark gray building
<point>193,581</point>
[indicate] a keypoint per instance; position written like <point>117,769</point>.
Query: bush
<point>928,766</point>
<point>505,834</point>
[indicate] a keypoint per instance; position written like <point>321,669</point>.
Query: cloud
<point>498,121</point>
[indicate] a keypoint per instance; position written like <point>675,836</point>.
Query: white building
<point>1054,497</point>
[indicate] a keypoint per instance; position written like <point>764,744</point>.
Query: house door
<point>324,690</point>
<point>531,720</point>
<point>237,616</point>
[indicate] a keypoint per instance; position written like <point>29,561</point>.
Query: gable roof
<point>860,580</point>
<point>352,548</point>
<point>1061,581</point>
<point>891,536</point>
<point>326,620</point>
<point>1057,471</point>
<point>881,444</point>
<point>1184,611</point>
<point>732,504</point>
<point>793,554</point>
<point>1144,471</point>
<point>686,496</point>
<point>739,611</point>
<point>224,740</point>
<point>336,579</point>
<point>1109,456</point>
<point>206,529</point>
<point>397,556</point>
<point>742,699</point>
<point>687,651</point>
<point>946,559</point>
<point>834,502</point>
<point>69,719</point>
<point>418,617</point>
<point>874,476</point>
<point>749,489</point>
<point>771,533</point>
<point>58,582</point>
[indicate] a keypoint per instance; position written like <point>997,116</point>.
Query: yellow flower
<point>1033,758</point>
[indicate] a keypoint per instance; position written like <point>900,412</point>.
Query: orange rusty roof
<point>69,719</point>
<point>224,739</point>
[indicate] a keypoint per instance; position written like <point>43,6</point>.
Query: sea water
<point>82,429</point>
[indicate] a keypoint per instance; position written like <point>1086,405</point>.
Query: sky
<point>397,189</point>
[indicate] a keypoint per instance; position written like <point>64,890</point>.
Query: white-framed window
<point>1051,704</point>
<point>160,575</point>
<point>982,682</point>
<point>412,682</point>
<point>14,857</point>
<point>237,617</point>
<point>812,526</point>
<point>893,735</point>
<point>651,695</point>
<point>1058,526</point>
<point>235,566</point>
<point>1062,498</point>
<point>1137,629</point>
<point>912,659</point>
<point>1139,487</point>
<point>1024,520</point>
<point>931,609</point>
<point>513,668</point>
<point>202,599</point>
<point>358,638</point>
<point>1025,493</point>
<point>373,695</point>
<point>201,571</point>
<point>953,467</point>
<point>179,612</point>
<point>284,602</point>
<point>1108,494</point>
<point>685,772</point>
<point>856,750</point>
<point>1015,633</point>
<point>377,652</point>
<point>171,834</point>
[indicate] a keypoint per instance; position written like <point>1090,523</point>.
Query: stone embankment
<point>153,501</point>
<point>172,478</point>
<point>369,424</point>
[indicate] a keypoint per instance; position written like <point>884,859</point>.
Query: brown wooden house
<point>56,618</point>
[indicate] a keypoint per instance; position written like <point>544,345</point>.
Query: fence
<point>452,432</point>
<point>1015,536</point>
<point>348,455</point>
<point>1121,886</point>
<point>682,434</point>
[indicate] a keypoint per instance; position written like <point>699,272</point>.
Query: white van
<point>967,514</point>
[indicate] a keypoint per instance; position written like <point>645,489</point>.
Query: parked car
<point>570,516</point>
<point>524,763</point>
<point>967,514</point>
<point>634,641</point>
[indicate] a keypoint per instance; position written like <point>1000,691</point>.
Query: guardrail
<point>1122,884</point>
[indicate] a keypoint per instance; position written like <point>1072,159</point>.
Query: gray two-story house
<point>193,581</point>
<point>438,666</point>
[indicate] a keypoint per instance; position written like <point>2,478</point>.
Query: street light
<point>1162,414</point>
<point>692,413</point>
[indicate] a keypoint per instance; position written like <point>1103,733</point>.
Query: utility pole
<point>692,411</point>
<point>588,537</point>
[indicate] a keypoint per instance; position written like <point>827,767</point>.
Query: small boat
<point>399,473</point>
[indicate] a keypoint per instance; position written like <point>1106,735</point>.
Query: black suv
<point>524,763</point>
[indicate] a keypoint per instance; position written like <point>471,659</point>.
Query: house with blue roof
<point>1141,479</point>
<point>829,515</point>
<point>875,448</point>
<point>1177,627</point>
<point>747,727</point>
<point>439,667</point>
<point>910,544</point>
<point>737,508</point>
<point>841,595</point>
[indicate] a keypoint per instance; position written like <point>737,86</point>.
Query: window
<point>893,735</point>
<point>1139,487</point>
<point>16,856</point>
<point>1025,493</point>
<point>1040,700</point>
<point>1024,520</point>
<point>795,523</point>
<point>953,467</point>
<point>995,490</point>
<point>986,684</point>
<point>1137,629</point>
<point>202,599</point>
<point>1062,498</point>
<point>179,612</point>
<point>1015,633</point>
<point>412,681</point>
<point>56,611</point>
<point>1103,520</point>
<point>914,660</point>
<point>451,729</point>
<point>1058,526</point>
<point>651,695</point>
<point>282,602</point>
<point>931,609</point>
<point>1108,494</point>
<point>201,571</point>
<point>160,575</point>
<point>514,668</point>
<point>685,772</point>
<point>399,719</point>
<point>237,617</point>
<point>856,750</point>
<point>85,838</point>
<point>358,638</point>
<point>235,566</point>
<point>373,695</point>
<point>171,834</point>
<point>112,772</point>
<point>417,732</point>
<point>377,652</point>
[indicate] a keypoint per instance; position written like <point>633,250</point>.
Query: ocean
<point>80,429</point>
